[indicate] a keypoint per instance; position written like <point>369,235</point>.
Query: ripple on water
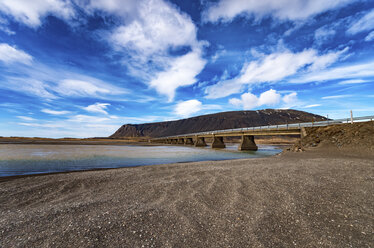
<point>32,159</point>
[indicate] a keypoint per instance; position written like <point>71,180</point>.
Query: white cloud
<point>89,87</point>
<point>158,27</point>
<point>312,106</point>
<point>187,108</point>
<point>98,108</point>
<point>55,112</point>
<point>182,72</point>
<point>223,89</point>
<point>370,36</point>
<point>42,125</point>
<point>365,23</point>
<point>26,118</point>
<point>226,10</point>
<point>148,30</point>
<point>272,68</point>
<point>31,12</point>
<point>31,87</point>
<point>353,81</point>
<point>88,119</point>
<point>270,97</point>
<point>3,27</point>
<point>9,54</point>
<point>290,99</point>
<point>51,83</point>
<point>267,98</point>
<point>324,33</point>
<point>345,72</point>
<point>325,60</point>
<point>151,30</point>
<point>335,97</point>
<point>248,101</point>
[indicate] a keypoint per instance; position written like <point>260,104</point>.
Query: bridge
<point>248,134</point>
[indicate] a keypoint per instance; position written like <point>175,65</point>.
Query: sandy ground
<point>309,199</point>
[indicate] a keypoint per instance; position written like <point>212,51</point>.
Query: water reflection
<point>32,159</point>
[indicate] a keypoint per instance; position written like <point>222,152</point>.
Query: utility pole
<point>351,117</point>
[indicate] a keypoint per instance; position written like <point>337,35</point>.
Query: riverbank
<point>317,198</point>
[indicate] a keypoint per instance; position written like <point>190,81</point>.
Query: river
<point>21,159</point>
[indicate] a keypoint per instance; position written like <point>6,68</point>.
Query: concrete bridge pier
<point>248,143</point>
<point>188,141</point>
<point>200,142</point>
<point>303,132</point>
<point>218,142</point>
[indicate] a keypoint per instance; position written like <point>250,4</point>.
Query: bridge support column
<point>303,132</point>
<point>180,141</point>
<point>200,142</point>
<point>218,142</point>
<point>248,143</point>
<point>188,141</point>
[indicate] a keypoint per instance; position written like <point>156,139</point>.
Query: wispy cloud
<point>353,81</point>
<point>26,118</point>
<point>149,45</point>
<point>31,12</point>
<point>3,27</point>
<point>55,112</point>
<point>271,68</point>
<point>10,54</point>
<point>370,36</point>
<point>345,72</point>
<point>98,108</point>
<point>336,97</point>
<point>312,106</point>
<point>89,87</point>
<point>365,23</point>
<point>227,10</point>
<point>52,83</point>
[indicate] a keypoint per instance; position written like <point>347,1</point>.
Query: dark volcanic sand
<point>310,199</point>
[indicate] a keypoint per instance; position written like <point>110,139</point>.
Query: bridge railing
<point>277,127</point>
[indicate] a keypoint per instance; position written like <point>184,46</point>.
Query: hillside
<point>354,139</point>
<point>218,121</point>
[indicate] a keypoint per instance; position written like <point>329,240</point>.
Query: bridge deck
<point>285,129</point>
<point>253,133</point>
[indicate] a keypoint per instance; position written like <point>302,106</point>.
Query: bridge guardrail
<point>278,127</point>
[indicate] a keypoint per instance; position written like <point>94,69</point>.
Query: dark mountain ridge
<point>217,121</point>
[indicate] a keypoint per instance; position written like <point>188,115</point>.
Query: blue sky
<point>82,68</point>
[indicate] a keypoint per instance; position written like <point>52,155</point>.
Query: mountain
<point>218,121</point>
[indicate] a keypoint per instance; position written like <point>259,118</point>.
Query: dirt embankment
<point>355,139</point>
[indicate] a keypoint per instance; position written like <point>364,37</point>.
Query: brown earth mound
<point>357,138</point>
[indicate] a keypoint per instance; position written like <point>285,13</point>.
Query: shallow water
<point>33,159</point>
